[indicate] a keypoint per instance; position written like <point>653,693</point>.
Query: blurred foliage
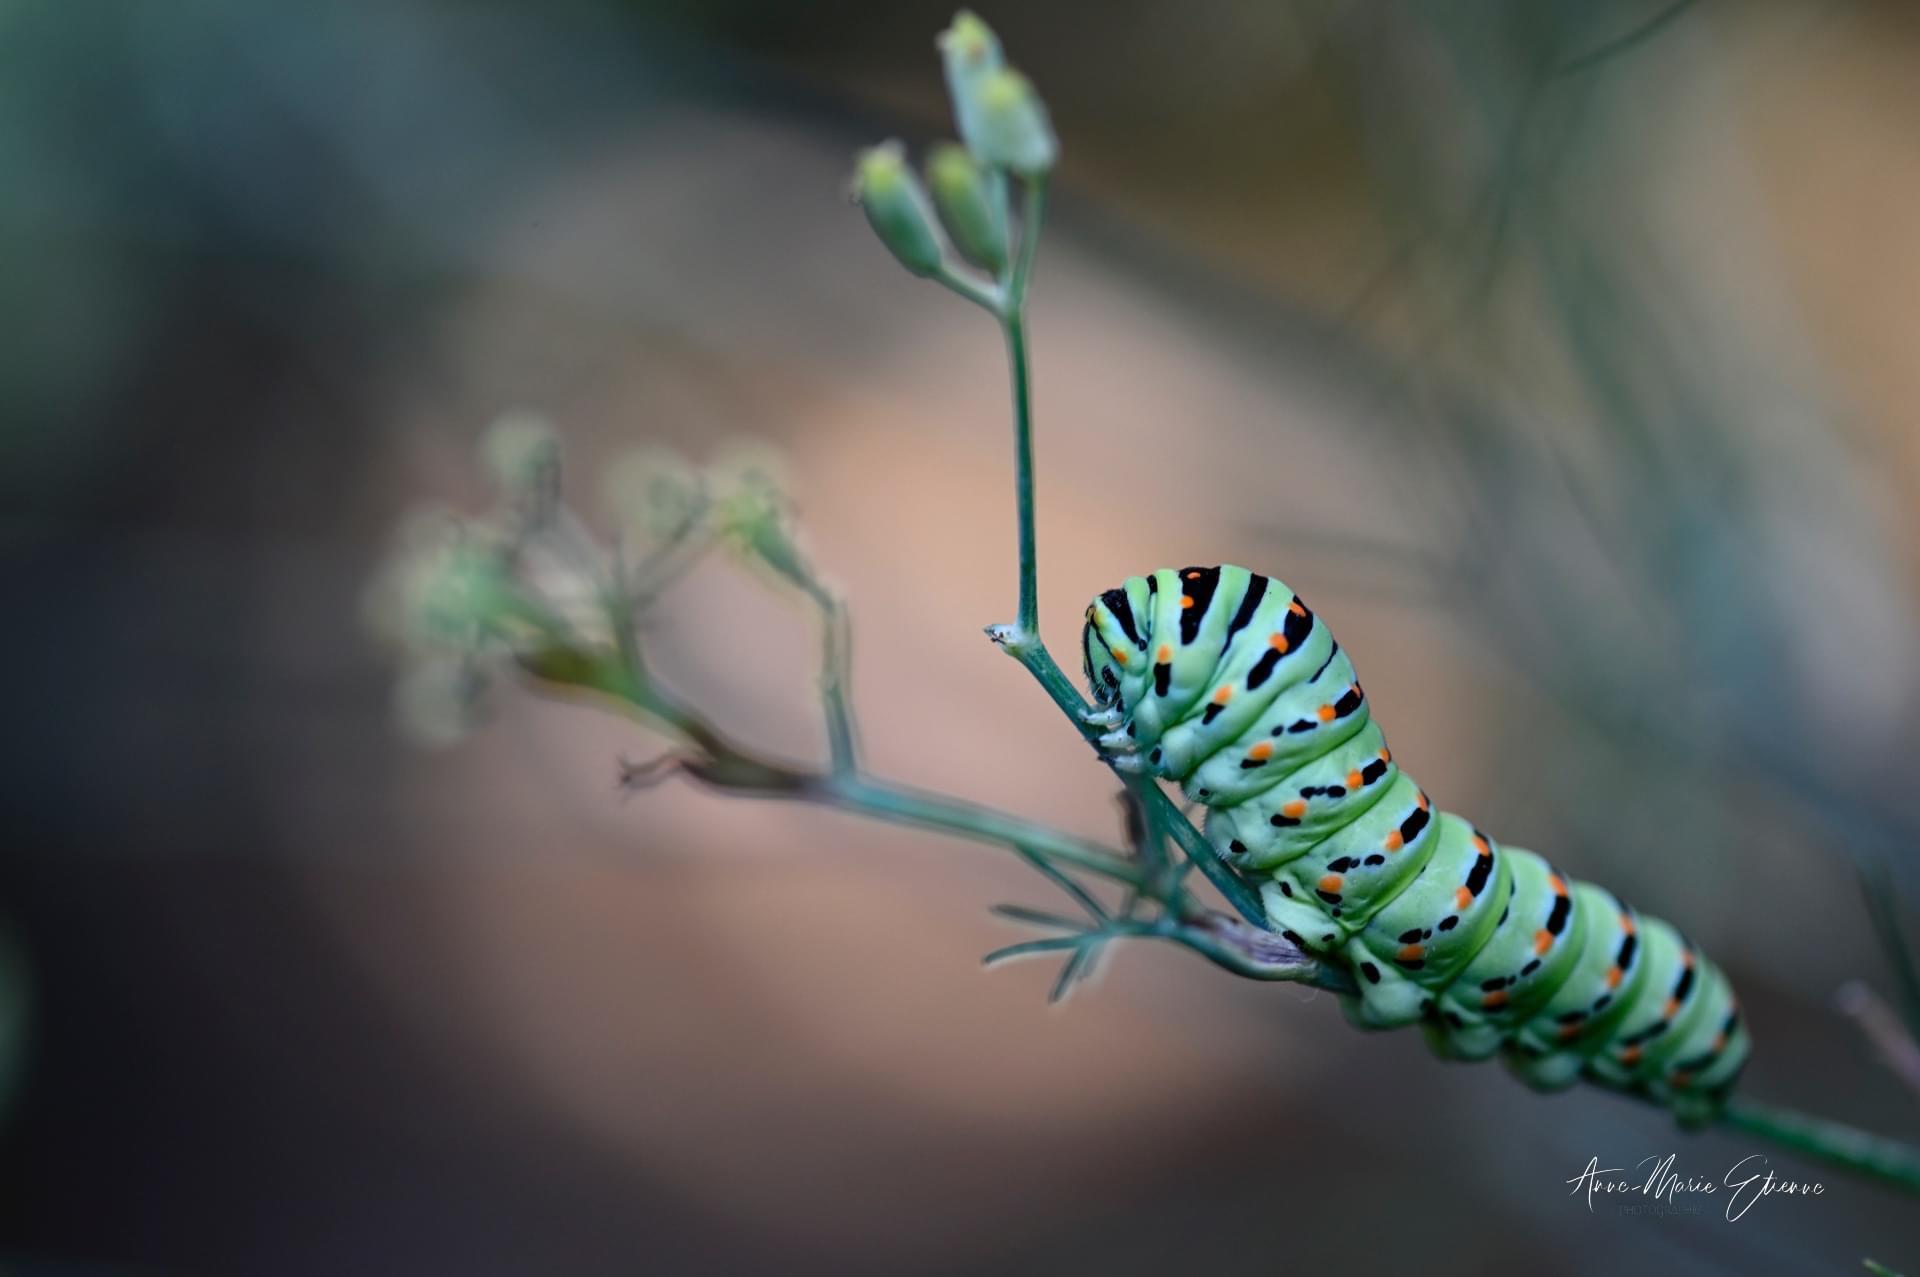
<point>1640,502</point>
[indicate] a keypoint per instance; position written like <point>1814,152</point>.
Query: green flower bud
<point>443,589</point>
<point>970,53</point>
<point>897,208</point>
<point>1014,130</point>
<point>972,206</point>
<point>522,454</point>
<point>754,515</point>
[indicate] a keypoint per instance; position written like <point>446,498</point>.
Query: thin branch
<point>1152,842</point>
<point>1013,325</point>
<point>1200,853</point>
<point>1079,966</point>
<point>1881,1027</point>
<point>982,295</point>
<point>836,657</point>
<point>1030,948</point>
<point>676,553</point>
<point>1084,898</point>
<point>636,777</point>
<point>1832,1142</point>
<point>1038,918</point>
<point>1623,42</point>
<point>904,805</point>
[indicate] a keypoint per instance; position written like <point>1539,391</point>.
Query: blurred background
<point>1561,354</point>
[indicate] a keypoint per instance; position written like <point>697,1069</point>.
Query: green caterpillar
<point>1223,680</point>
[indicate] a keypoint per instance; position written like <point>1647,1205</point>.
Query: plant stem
<point>836,658</point>
<point>1832,1142</point>
<point>981,295</point>
<point>904,805</point>
<point>1081,896</point>
<point>1024,642</point>
<point>1013,325</point>
<point>1881,1027</point>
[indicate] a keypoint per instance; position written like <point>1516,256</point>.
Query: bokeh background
<point>1563,354</point>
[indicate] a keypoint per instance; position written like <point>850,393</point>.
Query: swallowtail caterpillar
<point>1224,681</point>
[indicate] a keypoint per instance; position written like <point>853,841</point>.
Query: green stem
<point>904,805</point>
<point>720,763</point>
<point>1238,893</point>
<point>1832,1142</point>
<point>836,657</point>
<point>1081,896</point>
<point>1153,841</point>
<point>981,295</point>
<point>1013,324</point>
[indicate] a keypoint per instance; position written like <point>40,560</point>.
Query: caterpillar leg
<point>1110,717</point>
<point>1120,751</point>
<point>1388,999</point>
<point>1468,1041</point>
<point>1542,1069</point>
<point>1298,921</point>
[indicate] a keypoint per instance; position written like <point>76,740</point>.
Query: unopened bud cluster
<point>464,599</point>
<point>1004,132</point>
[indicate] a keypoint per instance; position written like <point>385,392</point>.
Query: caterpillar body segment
<point>1223,681</point>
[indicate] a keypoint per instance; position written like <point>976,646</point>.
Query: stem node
<point>1016,641</point>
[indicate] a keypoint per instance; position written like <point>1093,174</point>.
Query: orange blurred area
<point>1559,355</point>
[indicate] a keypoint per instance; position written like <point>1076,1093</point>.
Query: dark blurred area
<point>1561,354</point>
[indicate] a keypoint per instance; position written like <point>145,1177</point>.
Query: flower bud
<point>522,454</point>
<point>973,210</point>
<point>441,590</point>
<point>1014,130</point>
<point>754,515</point>
<point>897,208</point>
<point>970,53</point>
